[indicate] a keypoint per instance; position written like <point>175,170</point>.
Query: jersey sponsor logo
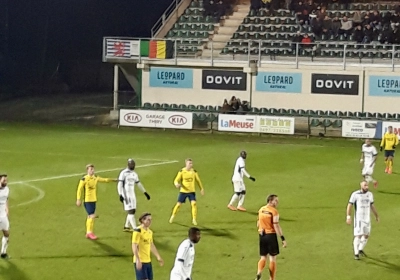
<point>177,120</point>
<point>132,118</point>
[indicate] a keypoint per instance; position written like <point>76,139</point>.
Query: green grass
<point>313,179</point>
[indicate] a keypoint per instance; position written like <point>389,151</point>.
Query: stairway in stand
<point>227,27</point>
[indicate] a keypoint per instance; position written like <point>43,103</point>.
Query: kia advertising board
<point>237,123</point>
<point>395,125</point>
<point>224,80</point>
<point>361,129</point>
<point>156,119</point>
<point>334,84</point>
<point>276,125</point>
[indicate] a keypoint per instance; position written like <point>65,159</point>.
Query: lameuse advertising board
<point>224,80</point>
<point>256,124</point>
<point>156,119</point>
<point>334,84</point>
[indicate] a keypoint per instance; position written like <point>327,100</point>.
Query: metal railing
<point>164,17</point>
<point>248,52</point>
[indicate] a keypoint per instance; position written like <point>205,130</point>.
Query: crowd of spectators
<point>235,106</point>
<point>218,8</point>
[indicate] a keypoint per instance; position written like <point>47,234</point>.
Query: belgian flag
<point>161,49</point>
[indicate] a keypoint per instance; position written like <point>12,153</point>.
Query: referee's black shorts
<point>269,244</point>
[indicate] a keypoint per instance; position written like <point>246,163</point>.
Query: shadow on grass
<point>393,193</point>
<point>163,246</point>
<point>111,251</point>
<point>213,231</point>
<point>385,264</point>
<point>12,272</point>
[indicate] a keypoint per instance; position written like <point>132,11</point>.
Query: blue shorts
<point>389,153</point>
<point>145,273</point>
<point>90,207</point>
<point>182,197</point>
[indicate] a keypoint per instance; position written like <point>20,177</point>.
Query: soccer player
<point>185,181</point>
<point>363,201</point>
<point>4,222</point>
<point>368,157</point>
<point>127,180</point>
<point>142,245</point>
<point>88,185</point>
<point>268,229</point>
<point>389,143</point>
<point>238,185</point>
<point>184,259</point>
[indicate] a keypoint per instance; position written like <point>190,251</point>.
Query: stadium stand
<point>266,33</point>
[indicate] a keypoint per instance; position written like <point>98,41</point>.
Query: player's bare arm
<point>155,252</point>
<point>362,157</point>
<point>279,231</point>
<point>348,213</point>
<point>373,208</point>
<point>7,208</point>
<point>135,249</point>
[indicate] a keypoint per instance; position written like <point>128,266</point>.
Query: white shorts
<point>130,203</point>
<point>4,223</point>
<point>362,228</point>
<point>176,276</point>
<point>238,186</point>
<point>367,169</point>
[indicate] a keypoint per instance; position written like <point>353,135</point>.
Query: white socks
<point>4,245</point>
<point>356,244</point>
<point>241,200</point>
<point>369,178</point>
<point>130,220</point>
<point>234,198</point>
<point>362,244</point>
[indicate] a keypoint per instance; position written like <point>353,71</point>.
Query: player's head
<point>131,164</point>
<point>194,234</point>
<point>3,180</point>
<point>90,169</point>
<point>364,186</point>
<point>188,163</point>
<point>145,219</point>
<point>368,142</point>
<point>390,129</point>
<point>273,200</point>
<point>243,154</point>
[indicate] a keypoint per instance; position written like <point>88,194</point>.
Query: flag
<point>161,49</point>
<point>118,48</point>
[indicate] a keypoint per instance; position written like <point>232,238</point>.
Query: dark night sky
<point>75,27</point>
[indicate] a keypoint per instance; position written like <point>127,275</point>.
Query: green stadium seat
<point>254,111</point>
<point>337,124</point>
<point>282,112</point>
<point>326,123</point>
<point>156,106</point>
<point>201,108</point>
<point>173,107</point>
<point>202,117</point>
<point>369,115</point>
<point>349,114</point>
<point>209,108</point>
<point>311,113</point>
<point>165,106</point>
<point>315,122</point>
<point>192,108</point>
<point>301,113</point>
<point>182,107</point>
<point>292,112</point>
<point>264,111</point>
<point>194,4</point>
<point>360,115</point>
<point>378,116</point>
<point>330,114</point>
<point>274,112</point>
<point>387,116</point>
<point>212,117</point>
<point>147,105</point>
<point>218,108</point>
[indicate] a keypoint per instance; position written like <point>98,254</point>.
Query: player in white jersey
<point>184,259</point>
<point>127,181</point>
<point>368,158</point>
<point>238,185</point>
<point>363,202</point>
<point>4,223</point>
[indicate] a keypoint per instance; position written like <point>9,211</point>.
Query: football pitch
<point>313,178</point>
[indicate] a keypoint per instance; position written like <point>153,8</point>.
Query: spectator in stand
<point>327,26</point>
<point>225,107</point>
<point>255,5</point>
<point>368,34</point>
<point>396,17</point>
<point>310,6</point>
<point>296,39</point>
<point>306,42</point>
<point>358,35</point>
<point>234,103</point>
<point>298,8</point>
<point>395,37</point>
<point>336,26</point>
<point>346,27</point>
<point>386,20</point>
<point>316,26</point>
<point>375,20</point>
<point>304,18</point>
<point>357,18</point>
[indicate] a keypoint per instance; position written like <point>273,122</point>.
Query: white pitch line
<point>40,196</point>
<point>80,174</point>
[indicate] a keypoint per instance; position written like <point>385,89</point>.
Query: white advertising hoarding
<point>276,125</point>
<point>360,129</point>
<point>237,123</point>
<point>395,125</point>
<point>156,119</point>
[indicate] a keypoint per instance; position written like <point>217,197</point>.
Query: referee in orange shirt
<point>269,228</point>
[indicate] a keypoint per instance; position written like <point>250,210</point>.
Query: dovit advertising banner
<point>276,125</point>
<point>224,80</point>
<point>256,124</point>
<point>156,119</point>
<point>395,125</point>
<point>362,129</point>
<point>334,84</point>
<point>237,123</point>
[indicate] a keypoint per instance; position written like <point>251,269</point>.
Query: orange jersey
<point>266,216</point>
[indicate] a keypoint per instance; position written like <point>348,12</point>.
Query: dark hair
<point>144,215</point>
<point>271,197</point>
<point>193,230</point>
